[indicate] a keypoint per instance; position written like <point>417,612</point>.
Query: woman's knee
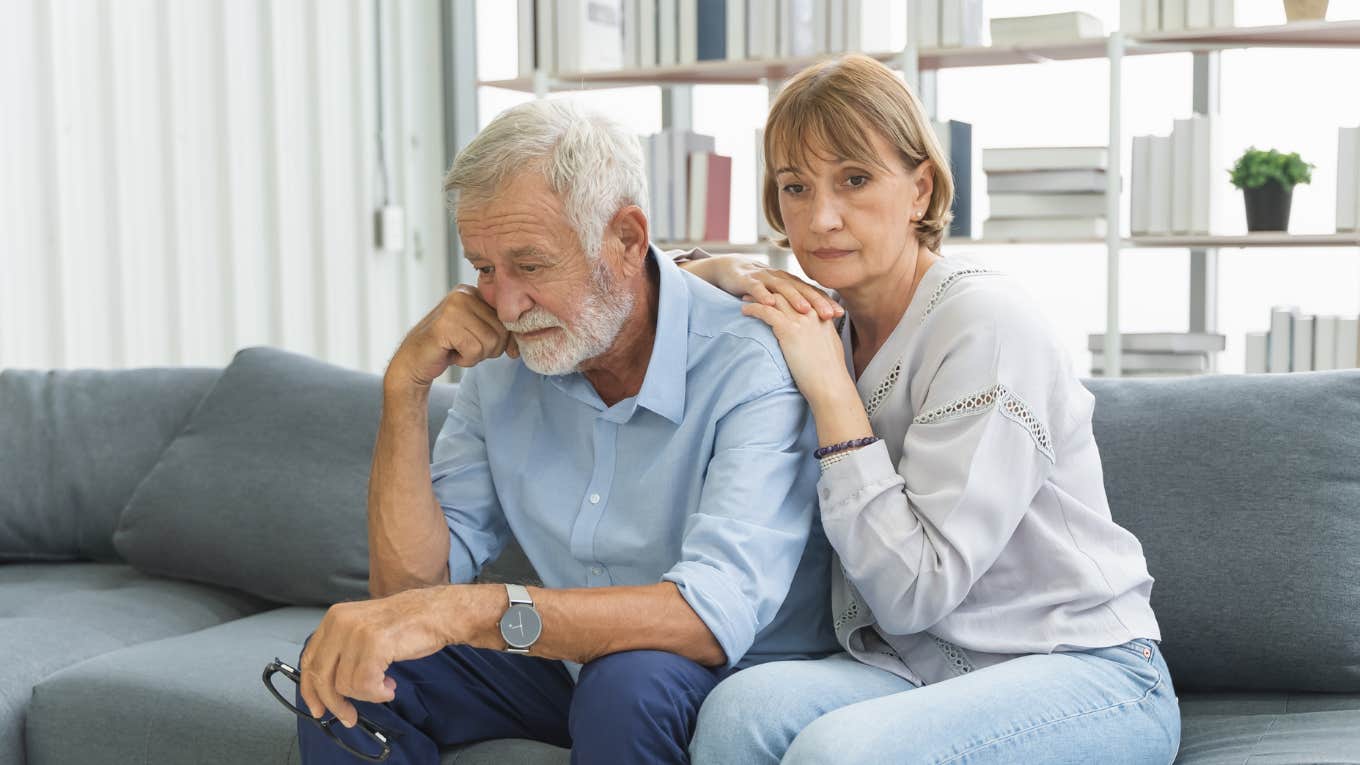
<point>739,721</point>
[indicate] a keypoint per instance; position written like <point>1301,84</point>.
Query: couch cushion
<point>265,489</point>
<point>75,444</point>
<point>53,615</point>
<point>1277,728</point>
<point>203,688</point>
<point>1245,493</point>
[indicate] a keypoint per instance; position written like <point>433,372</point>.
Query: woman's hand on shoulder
<point>811,345</point>
<point>744,276</point>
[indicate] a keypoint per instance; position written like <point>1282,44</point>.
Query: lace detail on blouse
<point>1012,406</point>
<point>958,660</point>
<point>880,393</point>
<point>938,294</point>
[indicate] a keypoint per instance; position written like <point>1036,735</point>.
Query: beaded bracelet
<point>843,446</point>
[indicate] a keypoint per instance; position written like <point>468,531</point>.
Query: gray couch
<point>166,532</point>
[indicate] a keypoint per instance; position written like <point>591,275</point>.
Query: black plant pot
<point>1268,207</point>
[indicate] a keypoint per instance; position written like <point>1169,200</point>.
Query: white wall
<point>183,178</point>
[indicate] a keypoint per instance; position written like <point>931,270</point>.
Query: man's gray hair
<point>590,161</point>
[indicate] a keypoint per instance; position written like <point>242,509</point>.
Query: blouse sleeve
<point>915,537</point>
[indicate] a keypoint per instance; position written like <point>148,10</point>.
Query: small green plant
<point>1255,168</point>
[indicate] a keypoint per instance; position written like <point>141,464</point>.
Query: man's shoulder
<point>720,336</point>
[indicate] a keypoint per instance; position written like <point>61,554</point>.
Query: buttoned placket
<point>604,439</point>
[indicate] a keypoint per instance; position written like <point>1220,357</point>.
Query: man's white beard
<point>597,325</point>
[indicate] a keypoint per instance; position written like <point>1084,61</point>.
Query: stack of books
<point>1348,179</point>
<point>577,36</point>
<point>1049,193</point>
<point>1047,28</point>
<point>1298,342</point>
<point>1151,16</point>
<point>690,187</point>
<point>1179,180</point>
<point>1159,354</point>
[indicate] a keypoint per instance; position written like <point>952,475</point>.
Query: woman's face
<point>848,221</point>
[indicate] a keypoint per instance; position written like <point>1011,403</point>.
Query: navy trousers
<point>630,707</point>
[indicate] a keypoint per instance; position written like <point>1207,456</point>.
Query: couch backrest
<point>1245,493</point>
<point>74,445</point>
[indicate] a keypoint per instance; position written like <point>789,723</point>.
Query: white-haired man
<point>648,450</point>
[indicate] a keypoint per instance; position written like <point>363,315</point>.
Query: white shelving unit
<point>919,65</point>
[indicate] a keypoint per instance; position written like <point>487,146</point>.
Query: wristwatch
<point>521,625</point>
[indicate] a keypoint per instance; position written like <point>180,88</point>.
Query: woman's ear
<point>629,228</point>
<point>923,180</point>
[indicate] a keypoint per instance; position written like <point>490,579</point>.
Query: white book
<point>687,31</point>
<point>1281,340</point>
<point>589,35</point>
<point>1162,342</point>
<point>867,29</point>
<point>835,26</point>
<point>1302,353</point>
<point>1255,353</point>
<point>821,39</point>
<point>1055,181</point>
<point>1159,186</point>
<point>1049,27</point>
<point>1206,174</point>
<point>698,195</point>
<point>1088,205</point>
<point>682,144</point>
<point>524,24</point>
<point>646,33</point>
<point>925,24</point>
<point>1224,14</point>
<point>1131,16</point>
<point>1049,229</point>
<point>663,186</point>
<point>1182,167</point>
<point>762,29</point>
<point>1002,160</point>
<point>1347,343</point>
<point>1154,362</point>
<point>1152,16</point>
<point>1348,179</point>
<point>736,30</point>
<point>630,34</point>
<point>951,23</point>
<point>667,19</point>
<point>1324,342</point>
<point>1173,15</point>
<point>1199,14</point>
<point>1140,192</point>
<point>798,32</point>
<point>569,31</point>
<point>545,31</point>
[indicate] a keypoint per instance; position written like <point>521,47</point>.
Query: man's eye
<point>486,270</point>
<point>528,269</point>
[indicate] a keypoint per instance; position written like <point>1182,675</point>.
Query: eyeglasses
<point>375,746</point>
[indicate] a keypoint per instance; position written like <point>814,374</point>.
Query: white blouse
<point>977,529</point>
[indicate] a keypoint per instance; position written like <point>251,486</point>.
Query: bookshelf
<point>919,66</point>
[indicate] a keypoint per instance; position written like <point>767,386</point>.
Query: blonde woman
<point>989,608</point>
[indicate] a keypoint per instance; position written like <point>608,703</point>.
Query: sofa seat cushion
<point>53,615</point>
<point>1276,728</point>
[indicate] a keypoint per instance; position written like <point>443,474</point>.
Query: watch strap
<point>518,593</point>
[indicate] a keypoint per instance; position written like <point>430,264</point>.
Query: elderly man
<point>647,449</point>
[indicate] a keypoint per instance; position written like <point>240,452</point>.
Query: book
<point>1140,192</point>
<point>1087,205</point>
<point>1302,352</point>
<point>1010,229</point>
<point>1002,160</point>
<point>1048,27</point>
<point>718,199</point>
<point>800,34</point>
<point>682,143</point>
<point>687,31</point>
<point>1324,342</point>
<point>960,23</point>
<point>736,30</point>
<point>865,27</point>
<point>1223,14</point>
<point>1131,16</point>
<point>524,26</point>
<point>925,23</point>
<point>762,29</point>
<point>1182,168</point>
<point>1348,343</point>
<point>1152,16</point>
<point>1056,181</point>
<point>1162,342</point>
<point>545,32</point>
<point>1173,15</point>
<point>1255,361</point>
<point>646,33</point>
<point>1199,14</point>
<point>835,26</point>
<point>1279,341</point>
<point>956,141</point>
<point>1154,362</point>
<point>1206,174</point>
<point>667,32</point>
<point>589,35</point>
<point>1159,186</point>
<point>1348,179</point>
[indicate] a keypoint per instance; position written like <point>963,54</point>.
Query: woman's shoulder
<point>969,296</point>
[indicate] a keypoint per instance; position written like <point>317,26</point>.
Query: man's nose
<point>511,300</point>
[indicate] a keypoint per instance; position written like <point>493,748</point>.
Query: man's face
<point>562,307</point>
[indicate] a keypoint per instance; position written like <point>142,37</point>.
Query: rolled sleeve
<point>742,548</point>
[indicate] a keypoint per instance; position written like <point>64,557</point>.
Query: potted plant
<point>1305,10</point>
<point>1267,180</point>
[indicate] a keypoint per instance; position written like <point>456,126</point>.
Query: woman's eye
<point>856,181</point>
<point>793,188</point>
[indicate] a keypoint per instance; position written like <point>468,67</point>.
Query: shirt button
<point>596,570</point>
<point>594,499</point>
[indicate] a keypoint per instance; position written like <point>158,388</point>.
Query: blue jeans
<point>634,707</point>
<point>1109,705</point>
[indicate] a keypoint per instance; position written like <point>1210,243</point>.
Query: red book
<point>718,204</point>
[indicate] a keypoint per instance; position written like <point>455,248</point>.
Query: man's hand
<point>462,330</point>
<point>350,652</point>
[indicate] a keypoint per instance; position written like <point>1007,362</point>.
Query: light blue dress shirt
<point>705,478</point>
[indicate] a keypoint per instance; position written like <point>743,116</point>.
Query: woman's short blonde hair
<point>830,107</point>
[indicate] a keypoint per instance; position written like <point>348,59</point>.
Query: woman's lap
<point>1112,705</point>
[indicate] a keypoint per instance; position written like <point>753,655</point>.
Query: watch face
<point>521,626</point>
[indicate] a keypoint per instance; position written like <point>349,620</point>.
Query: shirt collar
<point>663,387</point>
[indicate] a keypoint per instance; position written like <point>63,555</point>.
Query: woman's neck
<point>878,305</point>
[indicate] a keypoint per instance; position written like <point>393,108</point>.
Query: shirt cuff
<point>864,471</point>
<point>721,606</point>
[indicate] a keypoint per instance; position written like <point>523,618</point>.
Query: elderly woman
<point>989,608</point>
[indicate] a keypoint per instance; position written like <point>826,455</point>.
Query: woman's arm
<point>743,275</point>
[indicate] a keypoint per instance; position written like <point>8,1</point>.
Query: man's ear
<point>629,229</point>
